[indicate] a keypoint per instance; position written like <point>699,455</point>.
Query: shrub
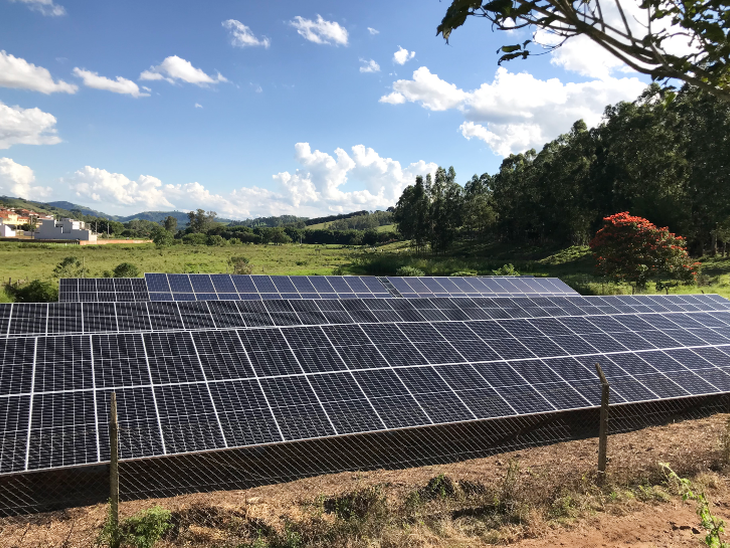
<point>632,249</point>
<point>141,530</point>
<point>216,240</point>
<point>409,271</point>
<point>70,267</point>
<point>241,265</point>
<point>33,292</point>
<point>195,238</point>
<point>126,270</point>
<point>506,270</point>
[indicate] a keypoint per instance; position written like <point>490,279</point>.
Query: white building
<point>65,229</point>
<point>6,231</point>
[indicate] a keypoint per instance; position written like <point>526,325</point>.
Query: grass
<point>574,265</point>
<point>37,261</point>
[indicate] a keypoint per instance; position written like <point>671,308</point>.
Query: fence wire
<point>218,491</point>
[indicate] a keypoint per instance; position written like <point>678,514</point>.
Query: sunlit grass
<point>574,265</point>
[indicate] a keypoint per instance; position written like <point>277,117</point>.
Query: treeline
<point>281,220</point>
<point>362,221</point>
<point>662,157</point>
<point>203,229</point>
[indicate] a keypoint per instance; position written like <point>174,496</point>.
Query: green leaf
<point>501,7</point>
<point>510,49</point>
<point>510,56</point>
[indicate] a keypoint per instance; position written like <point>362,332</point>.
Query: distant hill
<point>70,209</point>
<point>156,216</point>
<point>69,206</point>
<point>38,207</point>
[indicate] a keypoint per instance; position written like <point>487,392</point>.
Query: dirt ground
<point>670,524</point>
<point>556,481</point>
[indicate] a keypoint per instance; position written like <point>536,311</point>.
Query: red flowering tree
<point>634,250</point>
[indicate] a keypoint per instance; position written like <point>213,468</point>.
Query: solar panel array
<point>210,287</point>
<point>91,290</point>
<point>193,377</point>
<point>67,318</point>
<point>213,287</point>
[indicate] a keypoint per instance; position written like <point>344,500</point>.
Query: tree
<point>478,210</point>
<point>411,213</point>
<point>632,249</point>
<point>445,212</point>
<point>126,270</point>
<point>200,221</point>
<point>162,237</point>
<point>170,223</point>
<point>643,43</point>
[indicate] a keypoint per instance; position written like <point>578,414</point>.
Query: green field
<point>25,262</point>
<point>36,261</point>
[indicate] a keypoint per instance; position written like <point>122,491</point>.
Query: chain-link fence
<point>218,491</point>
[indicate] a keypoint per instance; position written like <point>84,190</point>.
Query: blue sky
<point>260,108</point>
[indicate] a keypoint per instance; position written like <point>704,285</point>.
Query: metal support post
<point>603,426</point>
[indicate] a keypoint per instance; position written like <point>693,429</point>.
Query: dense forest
<point>665,157</point>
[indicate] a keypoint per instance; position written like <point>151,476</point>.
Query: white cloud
<point>198,105</point>
<point>26,126</point>
<point>519,110</point>
<point>120,85</point>
<point>373,31</point>
<point>116,192</point>
<point>242,36</point>
<point>114,188</point>
<point>427,89</point>
<point>19,73</point>
<point>369,66</point>
<point>320,31</point>
<point>46,7</point>
<point>318,184</point>
<point>256,87</point>
<point>175,68</point>
<point>402,56</point>
<point>17,181</point>
<point>360,179</point>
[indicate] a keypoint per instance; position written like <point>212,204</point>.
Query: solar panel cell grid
<point>193,406</point>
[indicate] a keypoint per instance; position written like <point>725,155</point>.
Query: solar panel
<point>90,290</point>
<point>211,287</point>
<point>614,323</point>
<point>197,376</point>
<point>185,287</point>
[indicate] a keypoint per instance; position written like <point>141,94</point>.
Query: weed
<point>439,487</point>
<point>725,442</point>
<point>409,271</point>
<point>141,530</point>
<point>362,504</point>
<point>714,525</point>
<point>508,496</point>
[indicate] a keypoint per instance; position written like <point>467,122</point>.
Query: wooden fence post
<point>114,467</point>
<point>603,426</point>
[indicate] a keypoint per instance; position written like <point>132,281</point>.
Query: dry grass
<point>499,499</point>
